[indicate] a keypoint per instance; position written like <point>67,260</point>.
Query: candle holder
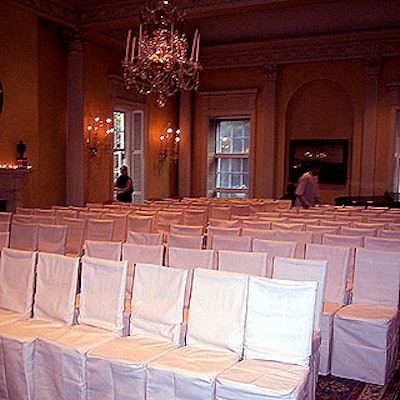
<point>22,162</point>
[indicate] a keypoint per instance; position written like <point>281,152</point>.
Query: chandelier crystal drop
<point>158,60</point>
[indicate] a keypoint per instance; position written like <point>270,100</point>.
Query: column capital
<point>270,72</point>
<point>372,65</point>
<point>394,92</point>
<point>74,38</point>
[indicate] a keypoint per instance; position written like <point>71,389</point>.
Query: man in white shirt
<point>307,190</point>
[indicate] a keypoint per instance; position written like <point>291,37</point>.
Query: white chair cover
<point>195,217</point>
<point>186,241</point>
<point>17,274</point>
<point>144,254</point>
<point>24,236</point>
<point>262,234</point>
<point>120,223</point>
<point>335,293</point>
<point>187,230</point>
<point>117,368</point>
<point>220,212</point>
<point>189,259</point>
<point>349,231</point>
<point>214,339</point>
<point>319,230</point>
<point>60,214</point>
<point>99,229</point>
<point>383,244</point>
<point>277,348</point>
<point>52,238</point>
<point>243,262</point>
<point>388,234</point>
<point>154,239</point>
<point>60,356</point>
<point>223,223</point>
<point>274,248</point>
<point>157,302</point>
<point>288,226</point>
<point>103,249</point>
<point>165,219</point>
<point>4,239</point>
<point>365,340</point>
<point>54,306</point>
<point>217,230</point>
<point>255,224</point>
<point>75,235</point>
<point>304,270</point>
<point>233,243</point>
<point>301,238</point>
<point>5,226</point>
<point>5,216</point>
<point>140,223</point>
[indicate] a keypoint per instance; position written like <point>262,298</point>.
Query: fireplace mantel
<point>12,182</point>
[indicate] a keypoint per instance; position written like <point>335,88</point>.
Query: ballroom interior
<point>320,71</point>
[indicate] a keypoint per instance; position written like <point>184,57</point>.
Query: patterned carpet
<point>332,388</point>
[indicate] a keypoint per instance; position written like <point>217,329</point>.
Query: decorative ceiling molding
<point>309,49</point>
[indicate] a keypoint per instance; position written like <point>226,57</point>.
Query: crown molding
<point>358,45</point>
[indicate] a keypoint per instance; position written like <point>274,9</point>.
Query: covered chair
<point>154,239</point>
<point>140,223</point>
<point>117,369</point>
<point>75,235</point>
<point>54,308</point>
<point>243,262</point>
<point>307,270</point>
<point>214,339</point>
<point>233,243</point>
<point>189,259</point>
<point>24,236</point>
<point>336,295</point>
<point>17,275</point>
<point>383,244</point>
<point>4,239</point>
<point>365,339</point>
<point>144,254</point>
<point>187,241</point>
<point>52,238</point>
<point>106,250</point>
<point>187,230</point>
<point>277,344</point>
<point>274,248</point>
<point>99,229</point>
<point>301,238</point>
<point>60,356</point>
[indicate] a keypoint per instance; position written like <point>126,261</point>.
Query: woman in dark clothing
<point>124,186</point>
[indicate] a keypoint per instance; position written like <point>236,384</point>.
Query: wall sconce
<point>169,144</point>
<point>93,142</point>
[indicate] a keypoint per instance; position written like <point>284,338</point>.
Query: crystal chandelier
<point>158,59</point>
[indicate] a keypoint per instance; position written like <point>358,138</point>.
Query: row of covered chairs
<point>229,333</point>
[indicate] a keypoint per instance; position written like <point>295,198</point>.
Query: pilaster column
<point>185,145</point>
<point>269,125</point>
<point>74,141</point>
<point>394,137</point>
<point>372,68</point>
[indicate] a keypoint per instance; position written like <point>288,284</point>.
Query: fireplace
<point>12,182</point>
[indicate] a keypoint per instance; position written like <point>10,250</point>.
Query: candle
<point>198,47</point>
<point>194,44</point>
<point>128,40</point>
<point>140,38</point>
<point>133,48</point>
<point>172,37</point>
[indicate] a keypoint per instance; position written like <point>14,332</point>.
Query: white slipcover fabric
<point>144,238</point>
<point>349,231</point>
<point>120,223</point>
<point>288,226</point>
<point>187,230</point>
<point>233,243</point>
<point>186,241</point>
<point>255,224</point>
<point>103,249</point>
<point>254,263</point>
<point>164,219</point>
<point>214,339</point>
<point>274,248</point>
<point>189,259</point>
<point>24,236</point>
<point>4,239</point>
<point>365,340</point>
<point>5,226</point>
<point>383,244</point>
<point>319,230</point>
<point>75,235</point>
<point>301,238</point>
<point>137,253</point>
<point>17,274</point>
<point>388,234</point>
<point>52,238</point>
<point>60,356</point>
<point>117,368</point>
<point>335,293</point>
<point>277,346</point>
<point>99,229</point>
<point>54,307</point>
<point>140,223</point>
<point>262,234</point>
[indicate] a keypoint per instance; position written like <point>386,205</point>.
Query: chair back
<point>233,243</point>
<point>52,238</point>
<point>383,244</point>
<point>75,235</point>
<point>243,262</point>
<point>99,229</point>
<point>107,250</point>
<point>190,242</point>
<point>24,236</point>
<point>144,238</point>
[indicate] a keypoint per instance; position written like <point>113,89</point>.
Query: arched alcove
<point>321,110</point>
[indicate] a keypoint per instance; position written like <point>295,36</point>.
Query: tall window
<point>232,148</point>
<point>128,148</point>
